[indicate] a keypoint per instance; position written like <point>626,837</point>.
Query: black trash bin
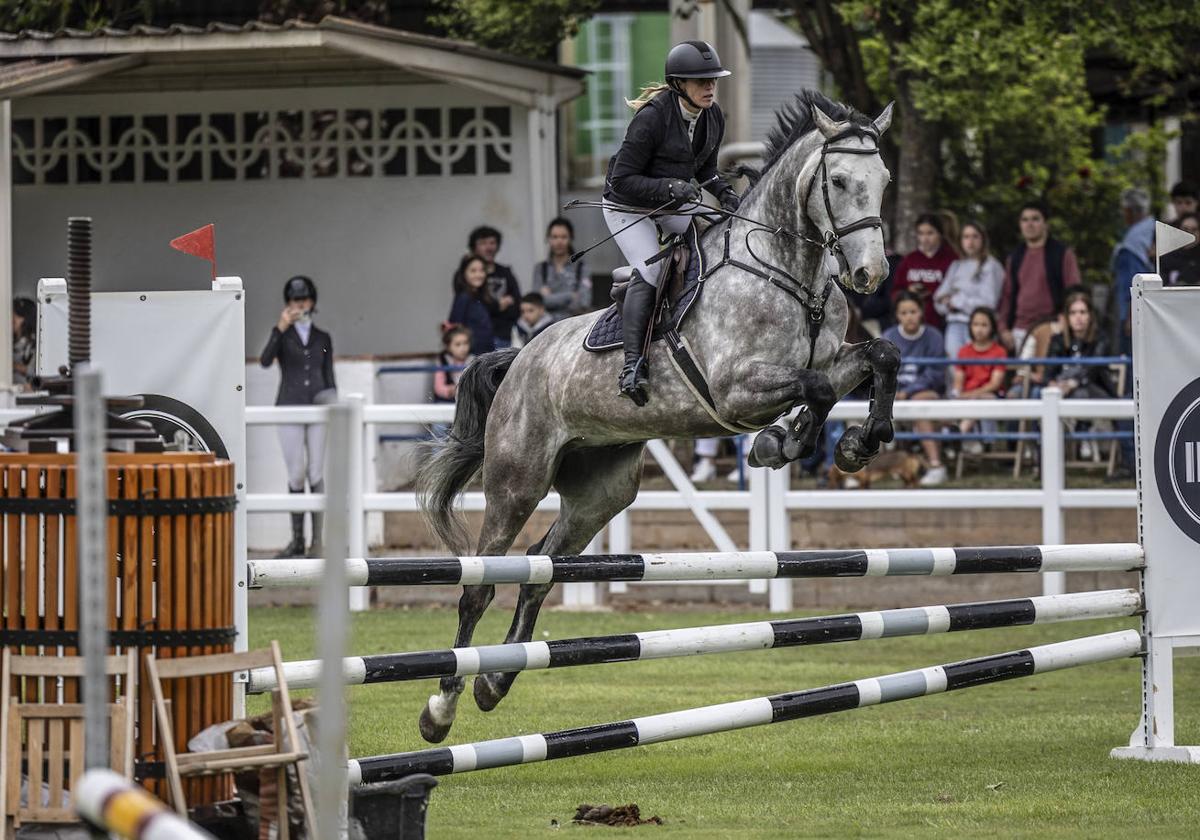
<point>393,810</point>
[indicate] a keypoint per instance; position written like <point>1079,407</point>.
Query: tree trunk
<point>916,170</point>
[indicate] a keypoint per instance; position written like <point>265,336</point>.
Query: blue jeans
<point>501,343</point>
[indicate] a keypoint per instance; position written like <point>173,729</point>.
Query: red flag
<point>199,243</point>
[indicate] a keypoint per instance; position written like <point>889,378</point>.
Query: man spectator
<point>485,242</point>
<point>1182,267</point>
<point>1131,256</point>
<point>1037,274</point>
<point>1185,198</point>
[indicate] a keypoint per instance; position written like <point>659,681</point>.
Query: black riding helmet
<point>300,288</point>
<point>692,60</point>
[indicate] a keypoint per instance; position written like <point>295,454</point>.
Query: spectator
<point>921,272</point>
<point>1037,274</point>
<point>915,339</point>
<point>502,285</point>
<point>24,349</point>
<point>1182,267</point>
<point>972,282</point>
<point>305,354</point>
<point>1080,339</point>
<point>979,382</point>
<point>456,353</point>
<point>1185,198</point>
<point>473,303</point>
<point>1131,256</point>
<point>534,318</point>
<point>565,286</point>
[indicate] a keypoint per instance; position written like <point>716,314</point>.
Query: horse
<point>768,333</point>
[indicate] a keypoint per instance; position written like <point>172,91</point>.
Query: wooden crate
<point>170,579</point>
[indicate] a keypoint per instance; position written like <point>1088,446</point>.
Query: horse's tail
<point>451,462</point>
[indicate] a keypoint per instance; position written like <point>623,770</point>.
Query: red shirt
<point>922,274</point>
<point>976,376</point>
<point>1035,303</point>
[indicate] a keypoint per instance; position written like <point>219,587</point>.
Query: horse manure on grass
<point>622,815</point>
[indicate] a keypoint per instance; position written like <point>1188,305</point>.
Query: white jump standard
<point>739,565</point>
<point>723,717</point>
<point>721,638</point>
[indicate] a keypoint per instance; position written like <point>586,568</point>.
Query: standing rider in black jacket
<point>670,150</point>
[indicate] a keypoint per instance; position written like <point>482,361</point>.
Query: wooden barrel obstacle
<point>722,638</point>
<point>170,550</point>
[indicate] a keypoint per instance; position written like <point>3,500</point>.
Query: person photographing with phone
<point>305,355</point>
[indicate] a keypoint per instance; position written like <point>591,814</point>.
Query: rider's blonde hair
<point>649,91</point>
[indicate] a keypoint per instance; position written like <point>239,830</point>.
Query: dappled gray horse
<point>767,332</point>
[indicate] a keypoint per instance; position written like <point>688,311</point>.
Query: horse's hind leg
<point>516,478</point>
<point>594,485</point>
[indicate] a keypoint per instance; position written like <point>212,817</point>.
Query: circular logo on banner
<point>1177,460</point>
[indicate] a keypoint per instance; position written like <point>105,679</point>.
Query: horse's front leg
<point>779,445</point>
<point>879,359</point>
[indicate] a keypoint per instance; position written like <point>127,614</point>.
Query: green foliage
<point>1005,84</point>
<point>531,28</point>
<point>53,15</point>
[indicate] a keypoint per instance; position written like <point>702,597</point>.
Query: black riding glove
<point>683,192</point>
<point>730,200</point>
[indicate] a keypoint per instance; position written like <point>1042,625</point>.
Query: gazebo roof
<point>332,51</point>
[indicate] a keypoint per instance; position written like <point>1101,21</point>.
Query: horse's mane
<point>794,119</point>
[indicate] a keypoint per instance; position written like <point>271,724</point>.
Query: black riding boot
<point>316,548</point>
<point>637,313</point>
<point>296,547</point>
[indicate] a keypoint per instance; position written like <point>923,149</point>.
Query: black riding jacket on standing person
<point>656,150</point>
<point>305,369</point>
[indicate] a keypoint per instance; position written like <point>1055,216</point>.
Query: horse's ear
<point>825,125</point>
<point>884,120</point>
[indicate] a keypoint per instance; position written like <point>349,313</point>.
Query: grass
<point>1027,758</point>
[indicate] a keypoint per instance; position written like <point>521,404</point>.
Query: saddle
<point>683,279</point>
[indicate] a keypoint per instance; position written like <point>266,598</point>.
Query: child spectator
<point>566,287</point>
<point>1080,339</point>
<point>972,282</point>
<point>474,304</point>
<point>922,271</point>
<point>456,352</point>
<point>534,318</point>
<point>979,382</point>
<point>915,339</point>
<point>502,284</point>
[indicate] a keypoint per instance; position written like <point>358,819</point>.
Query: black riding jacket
<point>656,149</point>
<point>306,369</point>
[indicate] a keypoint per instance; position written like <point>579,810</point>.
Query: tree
<point>532,28</point>
<point>992,101</point>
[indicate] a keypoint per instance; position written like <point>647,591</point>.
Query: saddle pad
<point>606,333</point>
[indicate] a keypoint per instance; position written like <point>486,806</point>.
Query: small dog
<point>894,463</point>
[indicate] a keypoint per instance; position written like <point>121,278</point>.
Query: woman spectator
<point>979,382</point>
<point>915,339</point>
<point>24,332</point>
<point>1080,339</point>
<point>972,282</point>
<point>922,271</point>
<point>566,287</point>
<point>305,354</point>
<point>474,304</point>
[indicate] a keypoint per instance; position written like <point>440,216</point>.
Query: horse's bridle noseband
<point>832,241</point>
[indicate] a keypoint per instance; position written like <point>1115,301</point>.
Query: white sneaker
<point>1085,450</point>
<point>935,476</point>
<point>705,470</point>
<point>735,475</point>
<point>851,483</point>
<point>973,447</point>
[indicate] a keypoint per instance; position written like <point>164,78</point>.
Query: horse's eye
<point>839,182</point>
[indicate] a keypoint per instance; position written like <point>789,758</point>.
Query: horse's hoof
<point>432,731</point>
<point>487,696</point>
<point>851,454</point>
<point>768,448</point>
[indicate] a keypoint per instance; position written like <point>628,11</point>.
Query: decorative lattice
<point>258,145</point>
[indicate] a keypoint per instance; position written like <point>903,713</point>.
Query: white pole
<point>360,596</point>
<point>780,597</point>
<point>92,518</point>
<point>619,542</point>
<point>333,620</point>
<point>1053,477</point>
<point>757,481</point>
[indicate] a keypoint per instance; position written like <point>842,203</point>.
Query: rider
<point>668,154</point>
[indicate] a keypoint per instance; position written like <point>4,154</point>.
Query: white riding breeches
<point>639,242</point>
<point>303,453</point>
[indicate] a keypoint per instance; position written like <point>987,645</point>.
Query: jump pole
<point>725,717</point>
<point>720,638</point>
<point>738,565</point>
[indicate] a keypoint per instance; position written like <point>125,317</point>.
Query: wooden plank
<point>188,759</point>
<point>52,609</point>
<point>33,572</point>
<point>58,760</point>
<point>120,459</point>
<point>182,705</point>
<point>62,666</point>
<point>259,761</point>
<point>70,583</point>
<point>196,596</point>
<point>35,744</point>
<point>130,554</point>
<point>12,762</point>
<point>139,700</point>
<point>224,663</point>
<point>208,580</point>
<point>113,491</point>
<point>76,766</point>
<point>12,553</point>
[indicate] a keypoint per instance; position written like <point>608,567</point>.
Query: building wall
<point>355,187</point>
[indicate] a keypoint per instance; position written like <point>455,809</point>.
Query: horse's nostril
<point>861,277</point>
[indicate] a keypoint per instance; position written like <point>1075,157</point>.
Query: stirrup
<point>634,382</point>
